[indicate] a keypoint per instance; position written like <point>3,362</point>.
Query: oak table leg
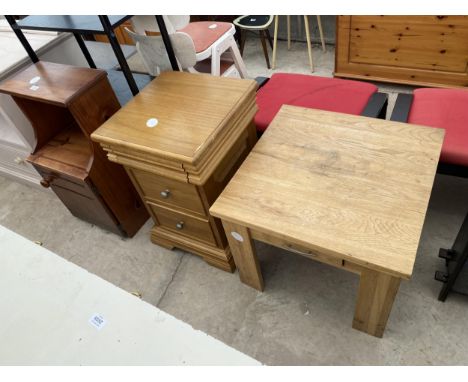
<point>376,294</point>
<point>243,251</point>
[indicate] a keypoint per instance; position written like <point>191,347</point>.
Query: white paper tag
<point>152,122</point>
<point>34,80</point>
<point>34,87</point>
<point>237,236</point>
<point>97,321</point>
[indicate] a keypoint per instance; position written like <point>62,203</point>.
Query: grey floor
<point>304,315</point>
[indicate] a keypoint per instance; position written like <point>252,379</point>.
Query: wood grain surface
<point>179,166</point>
<point>191,109</point>
<point>346,186</point>
<point>57,84</point>
<point>418,50</point>
<point>65,104</point>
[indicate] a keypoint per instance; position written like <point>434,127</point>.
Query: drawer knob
<point>45,183</point>
<point>180,225</point>
<point>165,194</point>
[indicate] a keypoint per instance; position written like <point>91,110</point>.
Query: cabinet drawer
<point>183,224</point>
<point>80,199</point>
<point>76,185</point>
<point>172,193</point>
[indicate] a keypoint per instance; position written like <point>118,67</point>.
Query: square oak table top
<point>346,186</point>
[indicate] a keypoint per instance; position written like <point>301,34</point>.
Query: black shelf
<point>119,85</point>
<point>66,23</point>
<point>91,24</point>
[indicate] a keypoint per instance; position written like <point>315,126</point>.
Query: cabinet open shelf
<point>68,152</point>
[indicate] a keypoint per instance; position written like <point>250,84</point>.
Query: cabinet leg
<point>227,265</point>
<point>162,242</point>
<point>243,251</point>
<point>376,294</point>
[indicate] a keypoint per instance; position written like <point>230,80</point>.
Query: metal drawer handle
<point>180,225</point>
<point>165,194</point>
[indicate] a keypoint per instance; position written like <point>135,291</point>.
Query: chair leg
<point>215,63</point>
<point>238,61</point>
<point>275,39</point>
<point>243,35</point>
<point>309,48</point>
<point>319,22</point>
<point>265,50</point>
<point>269,38</point>
<point>288,19</point>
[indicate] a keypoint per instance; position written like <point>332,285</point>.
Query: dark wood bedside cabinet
<point>65,104</point>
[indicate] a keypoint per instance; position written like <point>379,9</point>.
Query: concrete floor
<point>304,315</point>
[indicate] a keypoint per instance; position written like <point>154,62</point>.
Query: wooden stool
<point>309,47</point>
<point>255,23</point>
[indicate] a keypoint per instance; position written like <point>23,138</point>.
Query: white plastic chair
<point>154,56</point>
<point>153,53</point>
<point>211,40</point>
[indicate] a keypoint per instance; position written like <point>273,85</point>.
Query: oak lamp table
<point>181,139</point>
<point>345,190</point>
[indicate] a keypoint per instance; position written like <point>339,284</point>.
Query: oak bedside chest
<point>181,140</point>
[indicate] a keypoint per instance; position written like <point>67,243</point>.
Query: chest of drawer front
<point>182,224</point>
<point>168,192</point>
<point>80,198</point>
<point>56,179</point>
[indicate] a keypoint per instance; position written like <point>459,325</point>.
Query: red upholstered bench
<point>447,109</point>
<point>331,94</point>
<point>444,108</point>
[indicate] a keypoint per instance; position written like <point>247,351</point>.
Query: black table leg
<point>167,42</point>
<point>85,50</point>
<point>118,53</point>
<point>19,34</point>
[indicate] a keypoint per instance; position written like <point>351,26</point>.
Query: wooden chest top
<point>52,83</point>
<point>178,116</point>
